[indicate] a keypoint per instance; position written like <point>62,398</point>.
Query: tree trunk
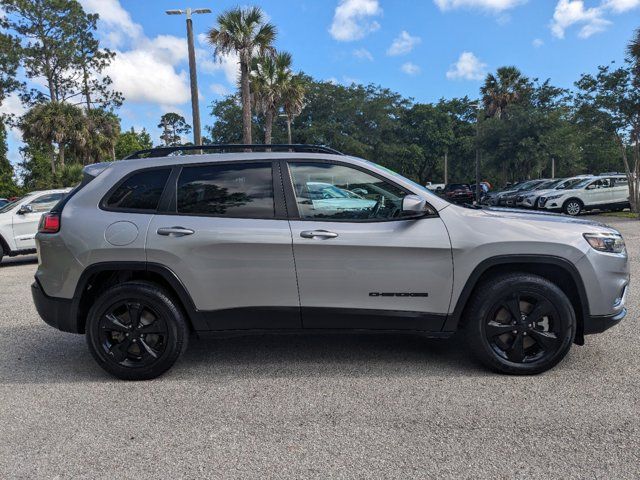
<point>246,102</point>
<point>632,177</point>
<point>113,152</point>
<point>268,127</point>
<point>61,154</point>
<point>87,93</point>
<point>289,131</point>
<point>53,162</point>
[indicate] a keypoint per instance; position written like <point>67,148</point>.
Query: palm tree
<point>243,31</point>
<point>56,123</point>
<point>104,129</point>
<point>633,51</point>
<point>270,77</point>
<point>293,101</point>
<point>507,86</point>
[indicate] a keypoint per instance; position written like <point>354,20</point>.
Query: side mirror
<point>24,209</point>
<point>414,204</point>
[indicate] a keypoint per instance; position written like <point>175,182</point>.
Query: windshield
<point>10,205</point>
<point>545,185</point>
<point>569,184</point>
<point>583,183</point>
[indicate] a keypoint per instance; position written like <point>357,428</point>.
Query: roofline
<point>230,148</point>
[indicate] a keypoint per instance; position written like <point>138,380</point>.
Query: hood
<point>539,216</point>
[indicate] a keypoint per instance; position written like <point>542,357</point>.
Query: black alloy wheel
<point>136,330</point>
<point>520,323</point>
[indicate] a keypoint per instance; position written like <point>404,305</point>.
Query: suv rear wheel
<point>136,331</point>
<point>520,324</point>
<point>572,207</point>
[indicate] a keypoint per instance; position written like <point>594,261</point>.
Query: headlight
<point>553,197</point>
<point>606,242</point>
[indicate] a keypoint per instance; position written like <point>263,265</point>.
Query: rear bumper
<point>598,324</point>
<point>57,312</point>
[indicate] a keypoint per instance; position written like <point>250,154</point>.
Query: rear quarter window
<point>140,192</point>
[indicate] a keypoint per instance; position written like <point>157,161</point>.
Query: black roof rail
<point>231,147</point>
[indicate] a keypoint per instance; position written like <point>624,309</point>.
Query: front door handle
<point>318,233</point>
<point>175,231</point>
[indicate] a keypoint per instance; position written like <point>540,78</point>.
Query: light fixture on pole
<point>195,106</point>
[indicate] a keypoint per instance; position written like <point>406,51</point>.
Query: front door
<point>360,264</point>
<point>25,225</point>
<point>226,239</point>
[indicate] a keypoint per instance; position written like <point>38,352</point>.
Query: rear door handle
<point>318,233</point>
<point>175,231</point>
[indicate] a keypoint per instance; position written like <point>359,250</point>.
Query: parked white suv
<point>532,199</point>
<point>610,192</point>
<point>19,221</point>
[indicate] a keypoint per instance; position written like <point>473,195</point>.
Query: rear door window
<point>140,192</point>
<point>238,190</point>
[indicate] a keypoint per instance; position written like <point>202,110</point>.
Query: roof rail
<point>231,147</point>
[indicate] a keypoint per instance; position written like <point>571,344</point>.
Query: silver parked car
<point>147,250</point>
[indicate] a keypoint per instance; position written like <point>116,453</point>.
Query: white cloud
<point>120,26</point>
<point>352,19</point>
<point>410,68</point>
<point>403,44</point>
<point>490,5</point>
<point>592,19</point>
<point>468,67</point>
<point>12,106</point>
<point>143,77</point>
<point>363,54</point>
<point>620,6</point>
<point>537,43</point>
<point>228,64</point>
<point>219,89</point>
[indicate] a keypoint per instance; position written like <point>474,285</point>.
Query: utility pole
<point>446,167</point>
<point>553,168</point>
<point>195,105</point>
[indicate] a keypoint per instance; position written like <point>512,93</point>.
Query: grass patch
<point>624,214</point>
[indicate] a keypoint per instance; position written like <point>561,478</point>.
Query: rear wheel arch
<point>556,269</point>
<point>99,277</point>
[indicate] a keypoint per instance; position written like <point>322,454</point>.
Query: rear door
<point>360,264</point>
<point>620,190</point>
<point>223,231</point>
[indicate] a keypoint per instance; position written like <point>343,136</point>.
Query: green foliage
<point>8,187</point>
<point>57,43</point>
<point>173,127</point>
<point>245,32</point>
<point>132,141</point>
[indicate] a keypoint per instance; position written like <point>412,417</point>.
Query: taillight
<point>49,223</point>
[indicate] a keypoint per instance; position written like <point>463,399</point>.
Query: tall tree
<point>270,76</point>
<point>507,86</point>
<point>104,129</point>
<point>293,101</point>
<point>61,124</point>
<point>243,31</point>
<point>57,44</point>
<point>173,127</point>
<point>9,62</point>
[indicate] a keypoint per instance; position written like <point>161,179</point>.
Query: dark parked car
<point>458,193</point>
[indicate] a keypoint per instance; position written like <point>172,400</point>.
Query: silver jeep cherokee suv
<point>147,250</point>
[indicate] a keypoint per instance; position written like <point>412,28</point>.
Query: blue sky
<point>424,49</point>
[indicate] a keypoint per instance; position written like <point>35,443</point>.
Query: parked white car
<point>610,192</point>
<point>19,221</point>
<point>531,199</point>
<point>435,187</point>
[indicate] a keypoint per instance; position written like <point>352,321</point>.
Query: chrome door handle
<point>175,231</point>
<point>318,233</point>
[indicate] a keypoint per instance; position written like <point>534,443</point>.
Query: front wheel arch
<point>556,269</point>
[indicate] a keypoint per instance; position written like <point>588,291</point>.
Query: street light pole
<point>195,104</point>
<point>477,106</point>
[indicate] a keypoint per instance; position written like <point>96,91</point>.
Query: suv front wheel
<point>520,323</point>
<point>136,331</point>
<point>572,207</point>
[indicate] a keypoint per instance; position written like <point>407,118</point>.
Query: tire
<point>522,346</point>
<point>572,207</point>
<point>536,204</point>
<point>145,349</point>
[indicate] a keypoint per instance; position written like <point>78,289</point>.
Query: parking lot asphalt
<point>352,406</point>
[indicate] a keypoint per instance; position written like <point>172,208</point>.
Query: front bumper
<point>598,324</point>
<point>57,312</point>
